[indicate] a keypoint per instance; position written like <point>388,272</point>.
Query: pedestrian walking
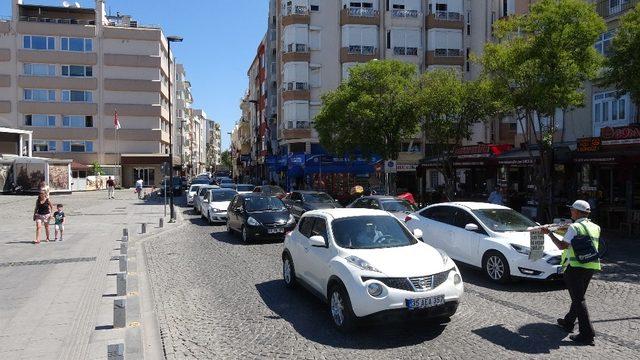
<point>42,215</point>
<point>44,188</point>
<point>581,260</point>
<point>139,185</point>
<point>59,220</point>
<point>496,196</point>
<point>111,187</point>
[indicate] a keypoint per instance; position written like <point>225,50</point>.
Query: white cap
<point>581,205</point>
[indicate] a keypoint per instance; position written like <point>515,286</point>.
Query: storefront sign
<point>516,162</point>
<point>390,166</point>
<point>591,144</point>
<point>468,163</point>
<point>595,160</point>
<point>406,167</point>
<point>296,159</point>
<point>481,150</point>
<point>620,135</point>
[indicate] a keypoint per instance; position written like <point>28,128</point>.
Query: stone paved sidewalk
<point>56,298</point>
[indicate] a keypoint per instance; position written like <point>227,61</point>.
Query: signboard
<point>516,162</point>
<point>591,144</point>
<point>620,135</point>
<point>406,167</point>
<point>536,245</point>
<point>390,166</point>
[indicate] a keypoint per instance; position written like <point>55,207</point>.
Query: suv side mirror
<point>317,241</point>
<point>418,234</point>
<point>471,227</point>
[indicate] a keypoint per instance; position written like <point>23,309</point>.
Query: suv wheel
<point>288,272</point>
<point>340,309</point>
<point>496,267</point>
<point>245,235</point>
<point>229,229</point>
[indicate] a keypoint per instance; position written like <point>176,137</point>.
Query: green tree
<point>449,106</point>
<point>96,169</point>
<point>372,111</point>
<point>538,65</point>
<point>623,66</point>
<point>225,159</point>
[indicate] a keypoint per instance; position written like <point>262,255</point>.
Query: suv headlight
<point>374,289</point>
<point>291,219</point>
<point>360,263</point>
<point>444,256</point>
<point>524,250</point>
<point>253,222</point>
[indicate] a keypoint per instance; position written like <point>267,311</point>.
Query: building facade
<point>214,145</point>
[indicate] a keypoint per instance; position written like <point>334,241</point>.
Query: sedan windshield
<point>194,188</point>
<point>263,203</point>
<point>397,206</point>
<point>318,198</point>
<point>371,232</point>
<point>504,219</point>
<point>228,186</point>
<point>272,190</point>
<point>200,181</point>
<point>222,195</point>
<point>245,187</point>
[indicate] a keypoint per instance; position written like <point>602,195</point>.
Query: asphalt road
<point>216,298</point>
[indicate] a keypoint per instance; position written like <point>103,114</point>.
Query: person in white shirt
<point>496,196</point>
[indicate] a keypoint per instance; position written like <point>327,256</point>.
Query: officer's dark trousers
<point>577,280</point>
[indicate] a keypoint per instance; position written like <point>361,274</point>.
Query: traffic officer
<point>577,275</point>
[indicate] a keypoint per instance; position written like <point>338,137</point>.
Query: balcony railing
<point>57,20</point>
<point>295,10</point>
<point>448,52</point>
<point>402,13</point>
<point>361,50</point>
<point>295,86</point>
<point>363,12</point>
<point>298,125</point>
<point>607,8</point>
<point>411,51</point>
<point>298,48</point>
<point>447,15</point>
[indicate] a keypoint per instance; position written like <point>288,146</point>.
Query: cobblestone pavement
<point>218,298</point>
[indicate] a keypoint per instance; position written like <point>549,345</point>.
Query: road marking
<point>47,262</point>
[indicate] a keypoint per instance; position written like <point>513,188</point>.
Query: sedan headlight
<point>444,256</point>
<point>374,289</point>
<point>291,220</point>
<point>524,250</point>
<point>360,263</point>
<point>253,222</point>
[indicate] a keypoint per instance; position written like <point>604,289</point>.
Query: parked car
<point>200,181</point>
<point>270,190</point>
<point>228,186</point>
<point>193,190</point>
<point>300,202</point>
<point>365,263</point>
<point>396,206</point>
<point>487,236</point>
<point>245,188</point>
<point>176,185</point>
<point>197,199</point>
<point>259,217</point>
<point>224,180</point>
<point>215,204</point>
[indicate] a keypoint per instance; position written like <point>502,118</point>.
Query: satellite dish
<point>65,4</point>
<point>77,4</point>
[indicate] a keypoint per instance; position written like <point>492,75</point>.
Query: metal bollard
<point>161,223</point>
<point>123,248</point>
<point>119,313</point>
<point>143,229</point>
<point>121,284</point>
<point>123,263</point>
<point>125,238</point>
<point>125,232</point>
<point>115,352</point>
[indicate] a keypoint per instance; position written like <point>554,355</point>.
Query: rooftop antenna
<point>65,4</point>
<point>77,4</point>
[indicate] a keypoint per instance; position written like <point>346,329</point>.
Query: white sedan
<point>193,190</point>
<point>199,196</point>
<point>366,263</point>
<point>215,204</point>
<point>487,236</point>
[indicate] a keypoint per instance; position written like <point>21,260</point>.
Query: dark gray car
<point>398,207</point>
<point>299,202</point>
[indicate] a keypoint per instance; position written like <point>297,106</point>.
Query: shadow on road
<point>234,238</point>
<point>536,338</point>
<point>477,277</point>
<point>310,318</point>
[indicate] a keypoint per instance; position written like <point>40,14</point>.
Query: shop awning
<point>519,157</point>
<point>78,166</point>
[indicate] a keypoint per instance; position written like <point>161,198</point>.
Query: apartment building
<point>199,140</point>
<point>184,119</point>
<point>214,145</point>
<point>66,73</point>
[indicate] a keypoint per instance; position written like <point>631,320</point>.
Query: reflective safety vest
<point>592,230</point>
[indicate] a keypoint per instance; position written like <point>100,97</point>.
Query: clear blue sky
<point>220,41</point>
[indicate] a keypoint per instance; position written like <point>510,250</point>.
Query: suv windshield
<point>318,198</point>
<point>194,188</point>
<point>397,206</point>
<point>504,219</point>
<point>263,203</point>
<point>228,186</point>
<point>222,195</point>
<point>371,232</point>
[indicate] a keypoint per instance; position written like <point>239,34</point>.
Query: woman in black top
<point>41,215</point>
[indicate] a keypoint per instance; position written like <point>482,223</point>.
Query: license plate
<point>423,303</point>
<point>275,231</point>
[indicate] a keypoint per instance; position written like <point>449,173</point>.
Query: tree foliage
<point>623,66</point>
<point>372,111</point>
<point>225,159</point>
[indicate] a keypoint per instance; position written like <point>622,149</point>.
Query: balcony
<point>57,20</point>
<point>451,57</point>
<point>295,15</point>
<point>358,53</point>
<point>402,13</point>
<point>359,16</point>
<point>294,90</point>
<point>614,8</point>
<point>445,20</point>
<point>297,130</point>
<point>405,51</point>
<point>296,52</point>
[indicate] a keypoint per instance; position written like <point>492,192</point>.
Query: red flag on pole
<point>116,122</point>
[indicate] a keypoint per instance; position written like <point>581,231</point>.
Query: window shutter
<point>52,121</point>
<point>88,146</point>
<point>66,146</point>
<point>52,146</point>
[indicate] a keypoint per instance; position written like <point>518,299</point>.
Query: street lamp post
<point>171,39</point>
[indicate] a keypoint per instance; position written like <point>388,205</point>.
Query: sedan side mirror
<point>317,241</point>
<point>418,234</point>
<point>471,227</point>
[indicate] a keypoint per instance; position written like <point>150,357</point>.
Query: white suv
<point>365,262</point>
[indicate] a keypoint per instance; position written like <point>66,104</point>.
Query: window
<point>603,44</point>
<point>40,120</point>
<point>320,229</point>
<point>39,69</point>
<point>463,218</point>
<point>77,121</point>
<point>296,38</point>
<point>609,110</point>
<point>443,214</point>
<point>468,22</point>
<point>77,146</point>
<point>315,76</point>
<point>147,176</point>
<point>39,95</point>
<point>467,58</point>
<point>76,44</point>
<point>405,41</point>
<point>434,177</point>
<point>296,114</point>
<point>44,145</point>
<point>314,39</point>
<point>77,71</point>
<point>306,224</point>
<point>314,5</point>
<point>39,42</point>
<point>360,39</point>
<point>616,6</point>
<point>77,96</point>
<point>413,146</point>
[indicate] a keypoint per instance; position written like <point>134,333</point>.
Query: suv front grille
<point>415,284</point>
